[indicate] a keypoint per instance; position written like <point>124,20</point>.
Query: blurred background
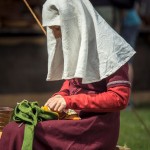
<point>23,54</point>
<point>23,60</point>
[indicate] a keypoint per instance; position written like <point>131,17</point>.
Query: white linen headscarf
<point>89,49</point>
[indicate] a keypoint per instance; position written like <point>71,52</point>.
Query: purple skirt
<point>93,132</point>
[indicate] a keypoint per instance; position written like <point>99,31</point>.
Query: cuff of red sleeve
<point>67,100</point>
<point>62,93</point>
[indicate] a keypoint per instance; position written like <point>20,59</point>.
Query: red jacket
<point>110,94</point>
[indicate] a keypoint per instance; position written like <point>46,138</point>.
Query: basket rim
<point>6,109</point>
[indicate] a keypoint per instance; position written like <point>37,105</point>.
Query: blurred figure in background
<point>128,25</point>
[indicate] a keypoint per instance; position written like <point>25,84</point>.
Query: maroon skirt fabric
<point>95,132</point>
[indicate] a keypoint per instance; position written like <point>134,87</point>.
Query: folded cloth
<point>30,114</point>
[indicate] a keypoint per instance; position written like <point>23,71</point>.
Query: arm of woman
<point>64,91</point>
<point>115,98</point>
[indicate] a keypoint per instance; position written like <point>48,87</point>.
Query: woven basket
<point>5,116</point>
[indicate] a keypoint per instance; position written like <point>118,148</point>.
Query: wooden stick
<point>39,23</point>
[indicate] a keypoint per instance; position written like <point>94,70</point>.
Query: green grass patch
<point>132,131</point>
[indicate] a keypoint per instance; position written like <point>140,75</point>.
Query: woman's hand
<point>56,103</point>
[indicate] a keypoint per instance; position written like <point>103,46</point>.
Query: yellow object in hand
<point>70,115</point>
<point>45,108</point>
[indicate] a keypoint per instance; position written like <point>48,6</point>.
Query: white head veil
<point>89,49</point>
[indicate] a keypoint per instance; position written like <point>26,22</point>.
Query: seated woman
<point>92,59</point>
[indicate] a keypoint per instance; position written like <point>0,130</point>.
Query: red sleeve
<point>64,91</point>
<point>115,98</point>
